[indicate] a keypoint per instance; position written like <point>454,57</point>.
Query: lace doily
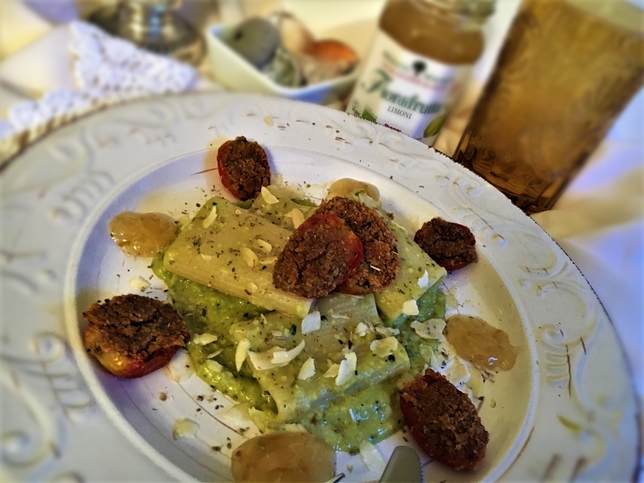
<point>107,70</point>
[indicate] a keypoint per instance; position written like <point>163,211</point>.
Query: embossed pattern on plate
<point>577,409</point>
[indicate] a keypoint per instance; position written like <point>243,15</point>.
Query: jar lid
<point>472,8</point>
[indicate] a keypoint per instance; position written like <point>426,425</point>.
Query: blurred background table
<point>599,221</point>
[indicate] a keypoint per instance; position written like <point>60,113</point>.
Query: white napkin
<point>106,70</point>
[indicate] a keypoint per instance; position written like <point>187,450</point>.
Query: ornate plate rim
<point>466,185</point>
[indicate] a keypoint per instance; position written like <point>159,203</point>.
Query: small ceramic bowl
<point>237,74</point>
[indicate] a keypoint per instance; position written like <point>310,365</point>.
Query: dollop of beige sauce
<point>349,186</point>
<point>481,344</point>
<point>141,234</point>
<point>288,456</point>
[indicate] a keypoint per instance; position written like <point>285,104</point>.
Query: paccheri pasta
<point>333,364</point>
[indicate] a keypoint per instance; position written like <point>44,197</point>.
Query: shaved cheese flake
<point>361,329</point>
<point>384,347</point>
<point>274,357</point>
<point>249,257</point>
<point>269,198</point>
<point>210,219</point>
<point>430,329</point>
<point>371,458</point>
<point>423,282</point>
<point>264,245</point>
<point>241,353</point>
<point>184,428</point>
<point>268,261</point>
<point>311,322</point>
<point>203,339</point>
<point>212,355</point>
<point>297,216</point>
<point>308,370</point>
<point>347,369</point>
<point>140,283</point>
<point>333,370</point>
<point>206,257</point>
<point>410,307</point>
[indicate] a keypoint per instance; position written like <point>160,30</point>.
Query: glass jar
<point>420,58</point>
<point>566,71</point>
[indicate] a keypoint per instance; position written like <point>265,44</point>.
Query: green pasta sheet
<point>418,273</point>
<point>340,316</point>
<point>234,251</point>
<point>280,212</point>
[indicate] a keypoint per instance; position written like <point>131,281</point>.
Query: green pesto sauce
<point>372,415</point>
<point>431,305</point>
<point>206,310</point>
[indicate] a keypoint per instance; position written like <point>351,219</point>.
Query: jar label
<point>405,91</point>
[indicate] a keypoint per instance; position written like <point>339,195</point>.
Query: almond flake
<point>333,370</point>
<point>347,369</point>
<point>212,355</point>
<point>410,307</point>
<point>241,352</point>
<point>423,282</point>
<point>214,366</point>
<point>311,322</point>
<point>203,339</point>
<point>269,198</point>
<point>308,370</point>
<point>274,357</point>
<point>284,357</point>
<point>180,366</point>
<point>210,219</point>
<point>296,216</point>
<point>430,329</point>
<point>384,347</point>
<point>249,257</point>
<point>264,245</point>
<point>361,329</point>
<point>268,261</point>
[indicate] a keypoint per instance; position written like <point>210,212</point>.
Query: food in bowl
<point>333,366</point>
<point>283,50</point>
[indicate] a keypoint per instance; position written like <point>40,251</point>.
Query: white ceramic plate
<point>565,411</point>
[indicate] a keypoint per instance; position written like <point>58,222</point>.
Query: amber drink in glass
<point>567,69</point>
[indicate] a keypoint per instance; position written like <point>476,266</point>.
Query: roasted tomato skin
<point>243,168</point>
<point>121,365</point>
<point>450,245</point>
